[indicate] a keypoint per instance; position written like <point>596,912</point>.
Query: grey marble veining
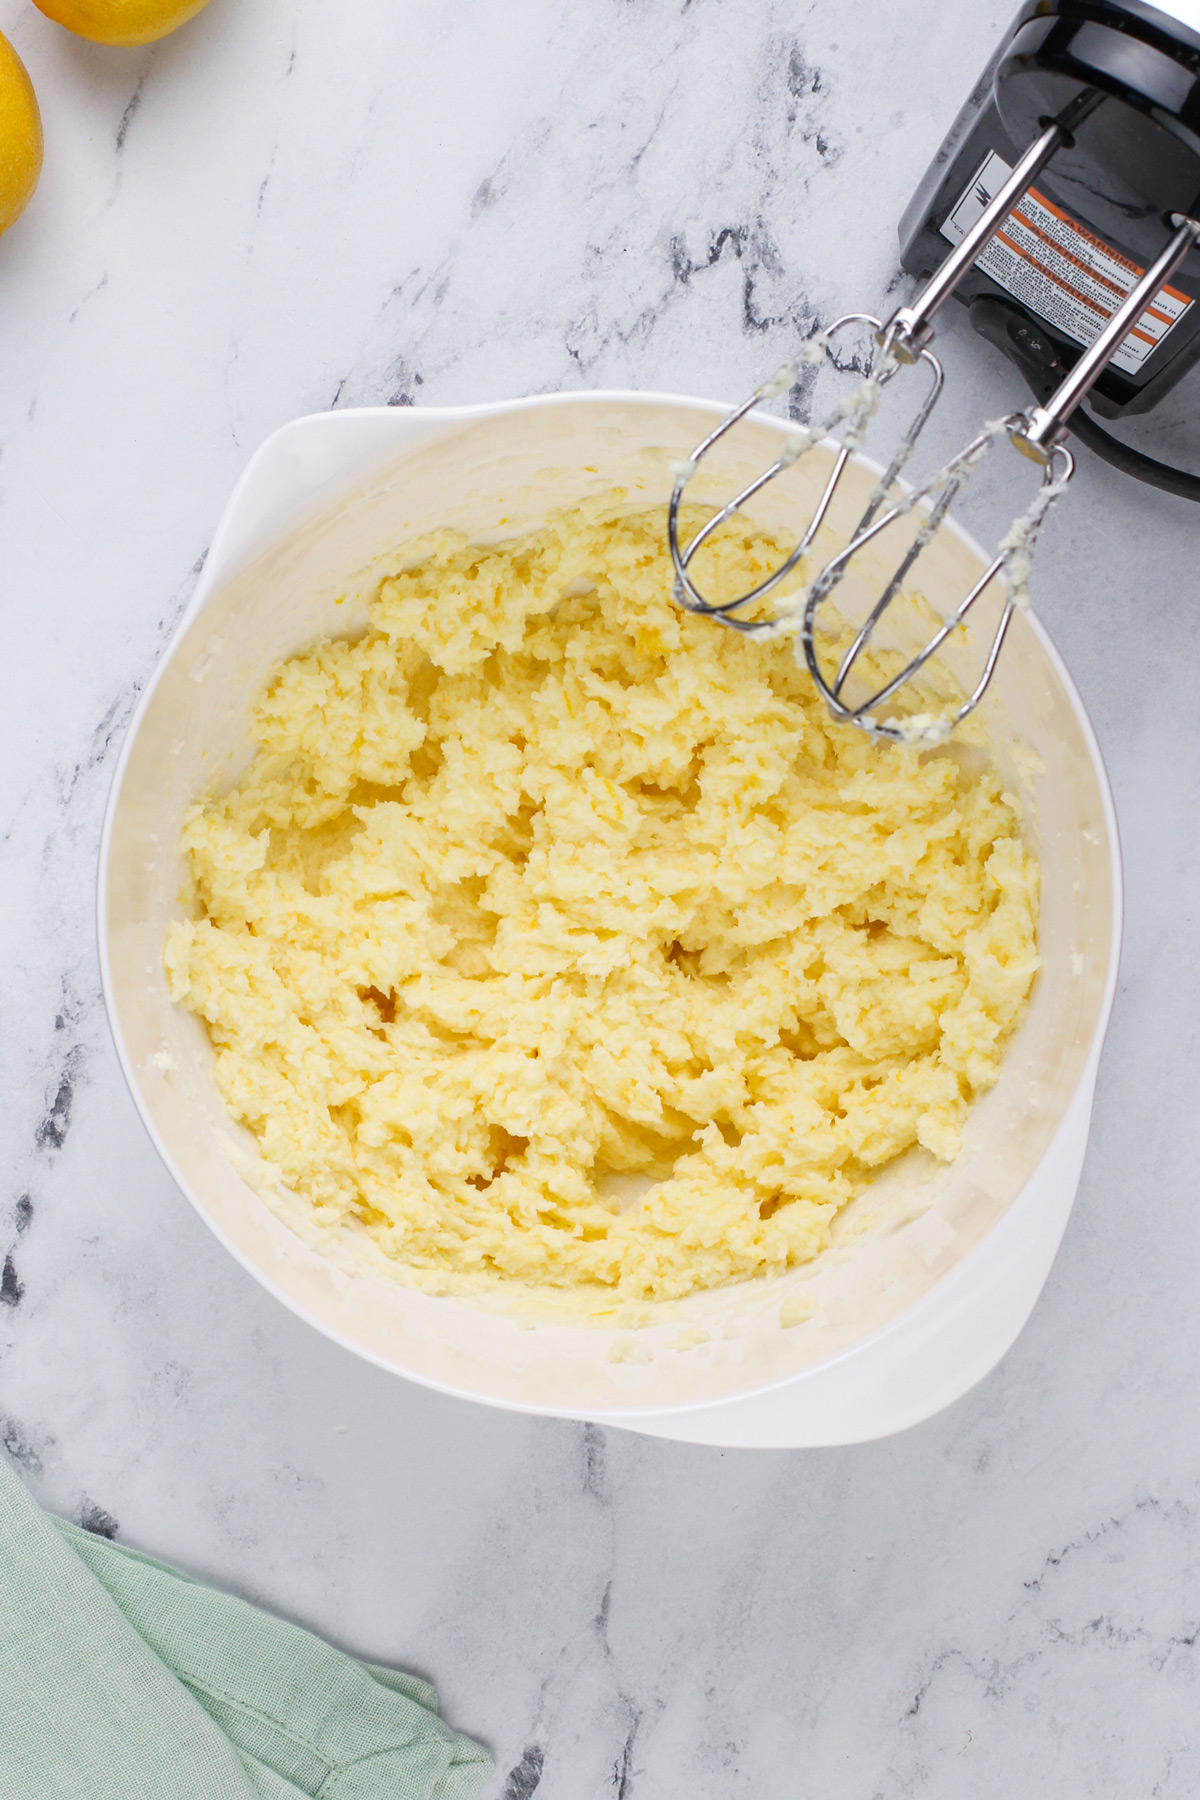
<point>290,207</point>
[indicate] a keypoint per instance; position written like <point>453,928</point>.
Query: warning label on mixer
<point>1058,269</point>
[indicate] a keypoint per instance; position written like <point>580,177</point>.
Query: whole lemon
<point>120,21</point>
<point>20,136</point>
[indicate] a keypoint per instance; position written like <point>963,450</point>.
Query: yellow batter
<point>542,882</point>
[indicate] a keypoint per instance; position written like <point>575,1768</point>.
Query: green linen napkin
<point>121,1679</point>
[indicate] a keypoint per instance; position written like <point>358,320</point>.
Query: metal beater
<point>1038,433</point>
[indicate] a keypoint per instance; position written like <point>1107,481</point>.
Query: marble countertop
<point>288,207</point>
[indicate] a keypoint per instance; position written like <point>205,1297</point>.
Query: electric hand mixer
<point>1101,102</point>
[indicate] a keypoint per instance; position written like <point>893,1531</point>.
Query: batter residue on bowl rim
<point>543,882</point>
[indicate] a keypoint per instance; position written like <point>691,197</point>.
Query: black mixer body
<point>1125,78</point>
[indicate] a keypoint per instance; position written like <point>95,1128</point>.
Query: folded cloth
<point>121,1679</point>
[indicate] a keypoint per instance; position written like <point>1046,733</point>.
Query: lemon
<point>120,21</point>
<point>20,136</point>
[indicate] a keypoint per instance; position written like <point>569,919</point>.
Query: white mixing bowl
<point>933,1272</point>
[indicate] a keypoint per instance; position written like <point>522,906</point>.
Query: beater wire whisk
<point>934,496</point>
<point>849,420</point>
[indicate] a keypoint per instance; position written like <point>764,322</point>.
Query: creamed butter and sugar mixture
<point>542,882</point>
